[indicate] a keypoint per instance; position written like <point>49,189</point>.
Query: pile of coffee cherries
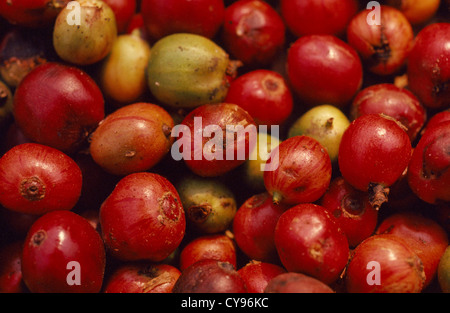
<point>250,146</point>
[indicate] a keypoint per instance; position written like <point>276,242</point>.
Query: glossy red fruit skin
<point>200,159</point>
<point>352,210</point>
<point>429,170</point>
<point>202,17</point>
<point>56,239</point>
<point>400,269</point>
<point>11,268</point>
<point>142,277</point>
<point>303,173</point>
<point>132,139</point>
<point>123,10</point>
<point>293,282</point>
<point>142,218</point>
<point>37,179</point>
<point>425,236</point>
<point>264,94</point>
<point>210,276</point>
<point>31,13</point>
<point>310,241</point>
<point>324,69</point>
<point>368,149</point>
<point>317,17</point>
<point>437,119</point>
<point>399,103</point>
<point>383,48</point>
<point>257,275</point>
<point>58,105</point>
<point>217,247</point>
<point>428,66</point>
<point>254,227</point>
<point>253,32</point>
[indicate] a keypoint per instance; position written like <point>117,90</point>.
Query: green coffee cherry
<point>326,124</point>
<point>210,205</point>
<point>188,70</point>
<point>253,173</point>
<point>444,271</point>
<point>84,34</point>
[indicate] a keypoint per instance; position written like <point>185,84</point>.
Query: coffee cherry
<point>63,253</point>
<point>374,152</point>
<point>38,179</point>
<point>91,40</point>
<point>298,171</point>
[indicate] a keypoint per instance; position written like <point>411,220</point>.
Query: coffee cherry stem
<point>277,197</point>
<point>378,194</point>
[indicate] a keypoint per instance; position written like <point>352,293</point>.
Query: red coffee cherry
<point>37,179</point>
<point>63,253</point>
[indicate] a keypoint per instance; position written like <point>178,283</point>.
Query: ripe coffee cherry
<point>254,227</point>
<point>383,47</point>
<point>210,276</point>
<point>124,11</point>
<point>425,236</point>
<point>298,170</point>
<point>428,67</point>
<point>142,277</point>
<point>142,219</point>
<point>264,94</point>
<point>37,179</point>
<point>429,169</point>
<point>352,209</point>
<point>58,105</point>
<point>253,32</point>
<point>374,152</point>
<point>324,69</point>
<point>293,282</point>
<point>132,139</point>
<point>436,119</point>
<point>214,139</point>
<point>218,247</point>
<point>388,264</point>
<point>399,103</point>
<point>308,17</point>
<point>63,253</point>
<point>257,275</point>
<point>310,241</point>
<point>201,17</point>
